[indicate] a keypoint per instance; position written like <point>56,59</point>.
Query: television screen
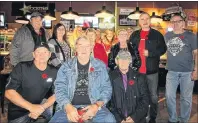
<point>47,24</point>
<point>87,22</point>
<point>2,19</point>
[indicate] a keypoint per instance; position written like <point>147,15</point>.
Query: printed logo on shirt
<point>49,80</point>
<point>175,45</point>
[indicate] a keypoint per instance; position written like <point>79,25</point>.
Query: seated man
<point>130,99</point>
<point>29,83</point>
<point>83,82</point>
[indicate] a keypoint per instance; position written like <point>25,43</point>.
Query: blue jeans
<point>173,79</point>
<point>47,114</point>
<point>152,82</point>
<point>103,116</point>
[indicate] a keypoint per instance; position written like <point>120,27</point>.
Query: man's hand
<point>35,111</point>
<point>145,53</point>
<point>123,121</point>
<point>129,120</point>
<point>72,113</point>
<point>91,112</point>
<point>194,75</point>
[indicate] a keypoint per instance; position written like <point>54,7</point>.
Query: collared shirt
<point>124,79</point>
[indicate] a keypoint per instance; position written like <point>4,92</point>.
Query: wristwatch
<point>99,107</point>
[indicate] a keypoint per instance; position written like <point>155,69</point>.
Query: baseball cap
<point>36,14</point>
<point>179,14</point>
<point>42,44</point>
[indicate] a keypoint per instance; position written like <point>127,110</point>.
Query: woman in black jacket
<point>125,46</point>
<point>130,97</point>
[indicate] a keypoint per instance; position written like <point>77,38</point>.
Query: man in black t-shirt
<point>29,83</point>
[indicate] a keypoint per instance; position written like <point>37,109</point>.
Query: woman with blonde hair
<point>125,46</point>
<point>98,49</point>
<point>110,40</point>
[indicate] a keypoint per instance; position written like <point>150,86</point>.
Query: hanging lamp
<point>70,14</point>
<point>49,15</point>
<point>104,13</point>
<point>135,14</point>
<point>155,18</point>
<point>22,20</point>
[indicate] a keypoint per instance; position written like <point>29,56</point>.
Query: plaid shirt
<point>57,56</point>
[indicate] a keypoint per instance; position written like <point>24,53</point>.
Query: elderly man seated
<point>130,97</point>
<point>83,82</point>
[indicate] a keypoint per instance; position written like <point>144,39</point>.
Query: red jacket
<point>100,53</point>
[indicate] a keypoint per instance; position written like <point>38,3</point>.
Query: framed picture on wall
<point>124,21</point>
<point>69,24</point>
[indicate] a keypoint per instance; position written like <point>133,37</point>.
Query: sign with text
<point>191,19</point>
<point>125,21</point>
<point>123,18</point>
<point>125,11</point>
<point>22,8</point>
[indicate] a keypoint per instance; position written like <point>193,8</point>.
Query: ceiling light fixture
<point>104,13</point>
<point>22,20</point>
<point>70,14</point>
<point>49,15</point>
<point>155,18</point>
<point>135,14</point>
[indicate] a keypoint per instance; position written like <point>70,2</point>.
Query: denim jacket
<point>99,88</point>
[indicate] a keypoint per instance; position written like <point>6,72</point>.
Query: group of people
<point>95,86</point>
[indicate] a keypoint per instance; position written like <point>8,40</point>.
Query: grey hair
<point>81,37</point>
<point>124,55</point>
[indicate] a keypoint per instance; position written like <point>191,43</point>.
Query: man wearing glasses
<point>182,69</point>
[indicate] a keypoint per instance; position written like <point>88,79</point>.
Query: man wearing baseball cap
<point>26,38</point>
<point>31,83</point>
<point>36,14</point>
<point>130,99</point>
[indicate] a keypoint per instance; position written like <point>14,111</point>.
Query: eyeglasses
<point>84,47</point>
<point>123,34</point>
<point>174,22</point>
<point>61,29</point>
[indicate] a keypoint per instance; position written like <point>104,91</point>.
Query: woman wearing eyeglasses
<point>59,47</point>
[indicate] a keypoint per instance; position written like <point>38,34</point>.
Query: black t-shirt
<point>32,84</point>
<point>81,96</point>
